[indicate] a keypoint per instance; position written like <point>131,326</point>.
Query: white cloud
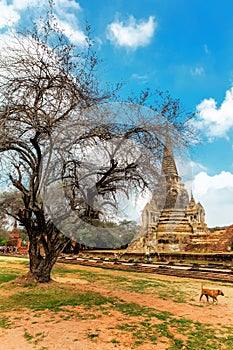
<point>215,193</point>
<point>67,9</point>
<point>68,3</point>
<point>62,4</point>
<point>67,19</point>
<point>76,36</point>
<point>197,167</point>
<point>216,122</point>
<point>23,4</point>
<point>197,71</point>
<point>132,34</point>
<point>139,77</point>
<point>66,16</point>
<point>8,15</point>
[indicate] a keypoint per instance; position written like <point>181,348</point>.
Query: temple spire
<point>168,164</point>
<point>192,200</point>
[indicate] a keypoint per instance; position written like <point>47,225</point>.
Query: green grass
<point>27,336</point>
<point>53,298</point>
<point>4,322</point>
<point>199,336</point>
<point>93,335</point>
<point>8,273</point>
<point>143,324</point>
<point>12,260</point>
<point>166,290</point>
<point>7,277</point>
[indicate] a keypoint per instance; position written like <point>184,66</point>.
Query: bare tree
<point>117,170</point>
<point>44,80</point>
<point>90,174</point>
<point>53,124</point>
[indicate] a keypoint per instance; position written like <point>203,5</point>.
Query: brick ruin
<point>14,242</point>
<point>171,221</point>
<point>218,241</point>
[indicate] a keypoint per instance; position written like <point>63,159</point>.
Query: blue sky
<point>183,46</point>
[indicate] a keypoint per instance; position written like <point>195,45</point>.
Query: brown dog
<point>212,293</point>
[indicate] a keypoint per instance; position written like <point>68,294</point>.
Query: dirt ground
<point>53,331</point>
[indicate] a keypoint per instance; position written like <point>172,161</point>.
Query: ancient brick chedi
<point>171,219</point>
<point>14,240</point>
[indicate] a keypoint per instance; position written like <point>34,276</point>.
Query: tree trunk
<point>41,267</point>
<point>42,260</point>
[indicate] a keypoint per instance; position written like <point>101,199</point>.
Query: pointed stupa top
<point>14,233</point>
<point>192,200</point>
<point>168,162</point>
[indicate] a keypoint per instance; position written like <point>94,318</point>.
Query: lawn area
<point>93,308</point>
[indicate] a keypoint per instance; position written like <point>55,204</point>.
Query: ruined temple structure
<point>218,241</point>
<point>171,220</point>
<point>14,240</point>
